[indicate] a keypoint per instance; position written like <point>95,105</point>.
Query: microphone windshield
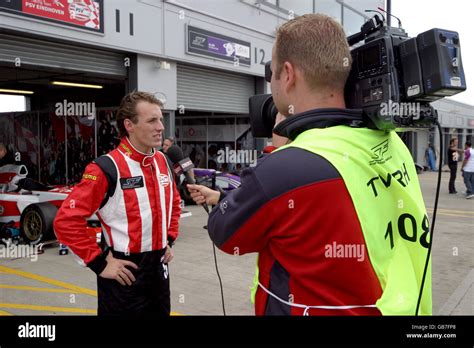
<point>175,154</point>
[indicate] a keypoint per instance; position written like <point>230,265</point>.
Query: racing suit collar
<point>318,118</point>
<point>127,148</point>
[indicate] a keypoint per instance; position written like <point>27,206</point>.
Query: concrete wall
<point>152,78</point>
<point>159,26</point>
<point>453,114</point>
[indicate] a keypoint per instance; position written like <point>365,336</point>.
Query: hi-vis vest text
<point>380,175</point>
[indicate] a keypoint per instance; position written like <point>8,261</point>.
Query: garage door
<point>40,52</point>
<point>214,90</point>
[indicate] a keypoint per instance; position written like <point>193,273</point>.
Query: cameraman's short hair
<point>317,45</point>
<point>128,108</point>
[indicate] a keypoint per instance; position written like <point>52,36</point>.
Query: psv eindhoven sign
<point>85,14</point>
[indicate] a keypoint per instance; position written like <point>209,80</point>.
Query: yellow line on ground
<point>453,214</point>
<point>48,308</point>
<point>32,288</point>
<point>36,277</point>
<point>453,211</point>
<point>4,313</point>
<point>71,287</point>
<point>457,215</point>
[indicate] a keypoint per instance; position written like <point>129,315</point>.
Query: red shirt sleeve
<point>175,214</point>
<point>71,220</point>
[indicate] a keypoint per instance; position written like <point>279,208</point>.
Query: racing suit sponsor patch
<point>164,180</point>
<point>89,176</point>
<point>131,183</point>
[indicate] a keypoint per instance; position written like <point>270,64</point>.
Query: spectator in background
<point>167,143</point>
<point>6,157</point>
<point>238,168</point>
<point>431,157</point>
<point>468,170</point>
<point>224,167</point>
<point>211,164</point>
<point>453,157</point>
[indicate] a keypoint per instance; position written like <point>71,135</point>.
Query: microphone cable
<point>213,187</point>
<point>219,276</point>
<point>176,156</point>
<point>434,217</point>
<point>217,268</point>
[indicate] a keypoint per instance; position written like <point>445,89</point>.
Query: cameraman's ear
<point>289,76</point>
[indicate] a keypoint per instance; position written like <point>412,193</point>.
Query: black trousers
<point>452,177</point>
<point>148,296</point>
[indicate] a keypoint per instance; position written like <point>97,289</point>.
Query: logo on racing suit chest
<point>131,183</point>
<point>164,180</point>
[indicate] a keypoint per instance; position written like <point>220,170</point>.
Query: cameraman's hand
<point>202,194</point>
<point>116,269</point>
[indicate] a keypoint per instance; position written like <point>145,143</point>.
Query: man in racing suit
<point>133,193</point>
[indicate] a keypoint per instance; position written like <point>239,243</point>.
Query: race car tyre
<point>36,222</point>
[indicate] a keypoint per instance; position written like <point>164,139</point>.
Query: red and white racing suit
<point>138,220</point>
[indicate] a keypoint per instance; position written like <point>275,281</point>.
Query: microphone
<point>183,165</point>
<point>398,19</point>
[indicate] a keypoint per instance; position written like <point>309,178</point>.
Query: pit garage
<point>71,93</point>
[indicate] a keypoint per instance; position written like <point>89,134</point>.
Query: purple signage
<point>206,43</point>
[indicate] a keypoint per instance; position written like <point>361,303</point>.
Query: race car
<point>28,208</point>
<point>226,181</point>
<point>212,179</point>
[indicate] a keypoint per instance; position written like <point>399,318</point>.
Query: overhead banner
<point>85,14</point>
<point>208,44</point>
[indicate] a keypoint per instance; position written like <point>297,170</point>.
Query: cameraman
<point>337,216</point>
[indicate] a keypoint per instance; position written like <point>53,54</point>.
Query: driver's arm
<point>71,220</point>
